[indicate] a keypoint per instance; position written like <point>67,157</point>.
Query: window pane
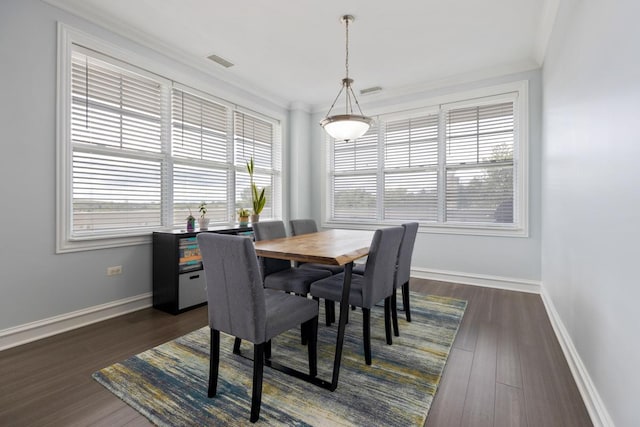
<point>354,197</point>
<point>411,142</point>
<point>199,128</point>
<point>253,138</point>
<point>194,185</point>
<point>411,196</point>
<point>114,193</point>
<point>480,195</point>
<point>243,192</point>
<point>358,154</point>
<point>112,107</point>
<point>480,134</point>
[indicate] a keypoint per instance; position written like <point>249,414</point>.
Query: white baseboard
<point>595,406</point>
<point>39,329</point>
<point>508,283</point>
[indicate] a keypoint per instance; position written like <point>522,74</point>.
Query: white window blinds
<point>116,137</point>
<point>257,138</point>
<point>479,166</point>
<point>199,128</point>
<point>354,179</point>
<point>411,169</point>
<point>453,165</point>
<point>139,152</point>
<point>200,141</point>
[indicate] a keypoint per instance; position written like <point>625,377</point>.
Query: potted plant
<point>191,221</point>
<point>258,198</point>
<point>203,222</point>
<point>243,217</point>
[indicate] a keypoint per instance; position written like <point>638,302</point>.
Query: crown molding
<point>204,65</point>
<point>393,94</point>
<point>545,28</point>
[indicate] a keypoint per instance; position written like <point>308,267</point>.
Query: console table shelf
<point>178,275</point>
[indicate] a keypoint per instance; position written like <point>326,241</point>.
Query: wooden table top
<point>335,247</point>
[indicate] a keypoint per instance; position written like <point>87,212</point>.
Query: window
<point>116,139</point>
<point>454,167</point>
<point>139,152</point>
<point>200,141</point>
<point>255,137</point>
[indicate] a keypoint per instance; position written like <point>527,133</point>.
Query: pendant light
<point>347,126</point>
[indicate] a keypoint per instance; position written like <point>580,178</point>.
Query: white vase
<point>255,218</point>
<point>203,223</point>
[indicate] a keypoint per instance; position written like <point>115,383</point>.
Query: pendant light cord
<point>346,82</point>
<point>346,49</point>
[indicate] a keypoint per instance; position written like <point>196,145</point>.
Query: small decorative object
<point>191,222</point>
<point>202,221</point>
<point>243,217</point>
<point>258,198</point>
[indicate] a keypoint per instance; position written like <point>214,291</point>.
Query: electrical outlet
<point>114,271</point>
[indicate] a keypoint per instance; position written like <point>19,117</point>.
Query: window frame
<point>66,241</point>
<point>476,97</point>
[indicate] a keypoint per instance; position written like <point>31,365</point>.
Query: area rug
<point>168,384</point>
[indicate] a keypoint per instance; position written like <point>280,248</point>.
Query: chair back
<point>405,253</point>
<point>268,230</point>
<point>234,286</point>
<point>380,270</point>
<point>303,226</point>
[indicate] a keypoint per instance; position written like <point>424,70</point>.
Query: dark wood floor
<point>506,367</point>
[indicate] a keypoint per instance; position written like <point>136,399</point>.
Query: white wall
<point>36,283</point>
<point>512,262</point>
<point>591,199</point>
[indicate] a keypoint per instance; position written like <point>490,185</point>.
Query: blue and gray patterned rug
<point>168,384</point>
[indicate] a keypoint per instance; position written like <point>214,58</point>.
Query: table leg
<point>342,323</point>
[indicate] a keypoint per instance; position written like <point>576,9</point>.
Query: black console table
<point>178,275</point>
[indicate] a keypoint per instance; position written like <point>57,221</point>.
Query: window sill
<point>458,229</point>
<point>92,243</point>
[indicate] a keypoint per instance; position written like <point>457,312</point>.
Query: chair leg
<point>328,311</point>
<point>311,328</point>
<point>387,320</point>
<point>236,345</point>
<point>405,301</point>
<point>256,392</point>
<point>267,350</point>
<point>366,334</point>
<point>303,334</point>
<point>214,361</point>
<point>394,314</point>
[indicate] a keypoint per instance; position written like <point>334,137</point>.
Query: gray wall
<point>590,192</point>
<point>36,283</point>
<point>514,259</point>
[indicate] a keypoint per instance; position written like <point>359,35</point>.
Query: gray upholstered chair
<point>240,306</point>
<point>375,285</point>
<point>278,273</point>
<point>306,226</point>
<point>403,273</point>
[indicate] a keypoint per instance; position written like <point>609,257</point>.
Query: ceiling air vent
<point>370,90</point>
<point>221,61</point>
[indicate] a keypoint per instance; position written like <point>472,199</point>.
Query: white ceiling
<point>293,50</point>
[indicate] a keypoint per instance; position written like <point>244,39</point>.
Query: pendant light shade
<point>346,126</point>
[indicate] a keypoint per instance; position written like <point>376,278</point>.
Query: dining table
<point>333,247</point>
